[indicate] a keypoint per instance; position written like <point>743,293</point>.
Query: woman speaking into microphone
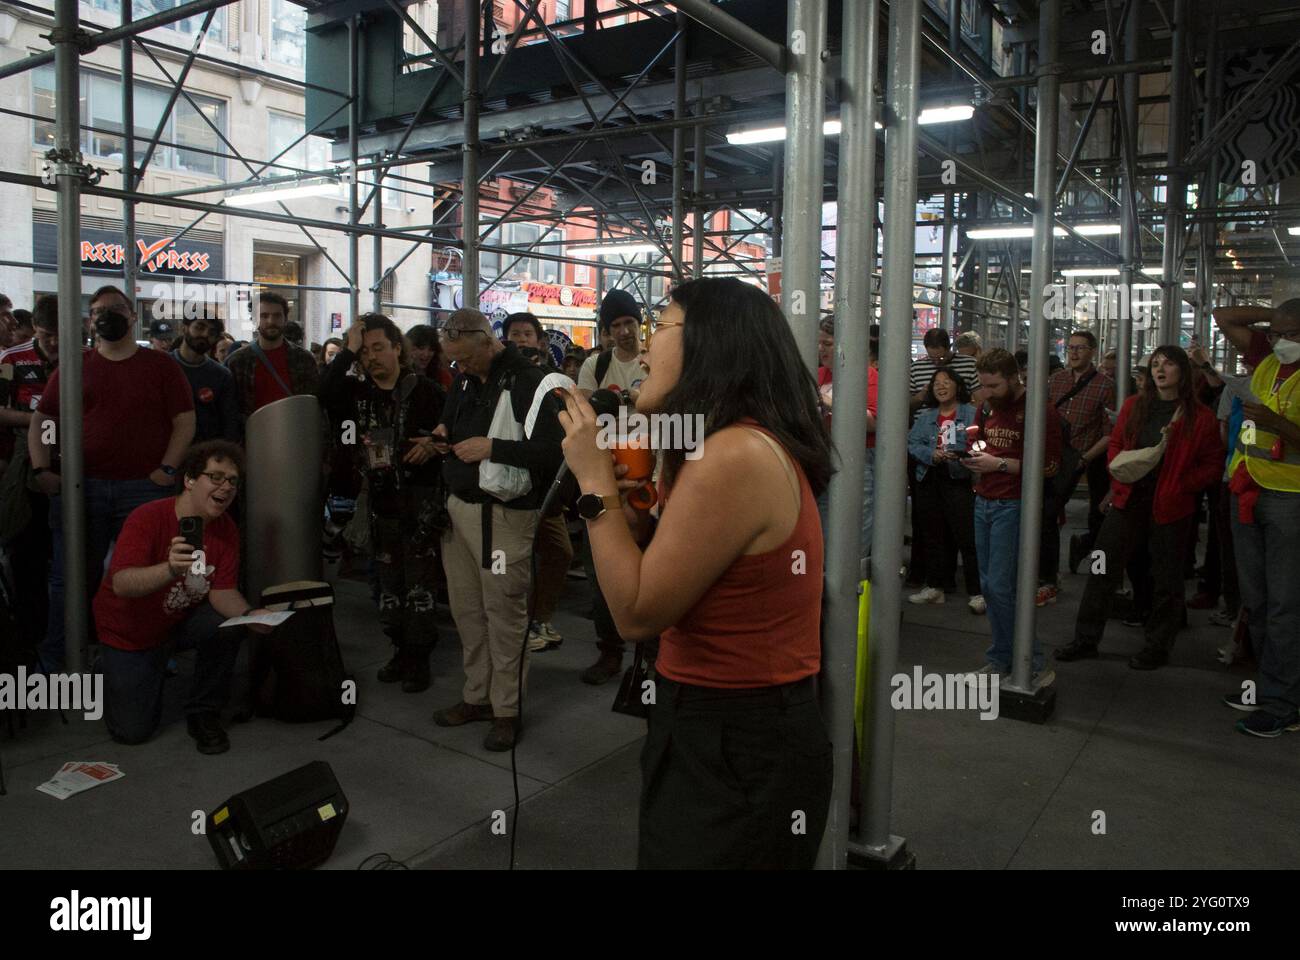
<point>736,770</point>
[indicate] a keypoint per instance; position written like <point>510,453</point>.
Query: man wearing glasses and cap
<point>1264,479</point>
<point>487,552</point>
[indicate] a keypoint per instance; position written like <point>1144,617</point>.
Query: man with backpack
<point>394,411</point>
<point>501,441</point>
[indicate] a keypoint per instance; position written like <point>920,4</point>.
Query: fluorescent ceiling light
<point>1294,231</point>
<point>830,128</point>
<point>961,111</point>
<point>327,189</point>
<point>616,249</point>
<point>1090,272</point>
<point>1026,231</point>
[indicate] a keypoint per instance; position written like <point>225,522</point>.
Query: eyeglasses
<point>1276,335</point>
<point>455,333</point>
<point>221,478</point>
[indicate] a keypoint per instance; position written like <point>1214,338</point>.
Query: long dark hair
<point>1186,392</point>
<point>739,359</point>
<point>962,391</point>
<point>423,336</point>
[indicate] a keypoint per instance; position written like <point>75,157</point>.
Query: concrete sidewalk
<point>1154,752</point>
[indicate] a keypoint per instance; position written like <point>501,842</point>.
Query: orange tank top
<point>759,625</point>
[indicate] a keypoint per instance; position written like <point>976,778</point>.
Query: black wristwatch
<point>170,471</point>
<point>592,505</point>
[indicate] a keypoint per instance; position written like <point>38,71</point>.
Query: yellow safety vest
<point>1270,473</point>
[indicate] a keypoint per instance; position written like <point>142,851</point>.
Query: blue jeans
<point>997,544</point>
<point>868,497</point>
<point>108,504</point>
<point>1268,556</point>
<point>133,679</point>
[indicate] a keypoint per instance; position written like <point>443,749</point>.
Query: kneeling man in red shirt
<point>162,595</point>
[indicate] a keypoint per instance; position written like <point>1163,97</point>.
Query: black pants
<point>1222,521</point>
<point>734,779</point>
<point>1098,474</point>
<point>608,639</point>
<point>406,541</point>
<point>133,679</point>
<point>947,508</point>
<point>919,562</point>
<point>1123,533</point>
<point>30,552</point>
<point>1049,537</point>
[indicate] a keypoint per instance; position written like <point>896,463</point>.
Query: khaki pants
<point>490,605</point>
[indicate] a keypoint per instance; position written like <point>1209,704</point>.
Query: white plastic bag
<point>502,481</point>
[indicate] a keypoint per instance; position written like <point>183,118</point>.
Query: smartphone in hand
<point>192,531</point>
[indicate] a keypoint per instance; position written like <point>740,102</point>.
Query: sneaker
<point>1076,651</point>
<point>548,633</point>
<point>608,666</point>
<point>1261,724</point>
<point>536,643</point>
<point>1203,601</point>
<point>1150,658</point>
<point>928,595</point>
<point>976,604</point>
<point>206,730</point>
<point>462,713</point>
<point>1222,618</point>
<point>1234,700</point>
<point>1043,678</point>
<point>1046,594</point>
<point>988,668</point>
<point>503,735</point>
<point>1134,620</point>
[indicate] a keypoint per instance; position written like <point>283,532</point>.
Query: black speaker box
<point>289,823</point>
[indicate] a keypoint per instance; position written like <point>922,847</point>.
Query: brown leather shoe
<point>609,665</point>
<point>462,713</point>
<point>503,735</point>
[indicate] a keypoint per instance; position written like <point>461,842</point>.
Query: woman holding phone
<point>731,582</point>
<point>944,496</point>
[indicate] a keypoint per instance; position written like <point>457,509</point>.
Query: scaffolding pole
<point>856,193</point>
<point>903,78</point>
<point>679,148</point>
<point>698,159</point>
<point>805,94</point>
<point>68,172</point>
<point>1171,279</point>
<point>1035,430</point>
<point>1129,246</point>
<point>130,259</point>
<point>354,41</point>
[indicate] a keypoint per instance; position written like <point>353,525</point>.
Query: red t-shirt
<point>1004,435</point>
<point>826,375</point>
<point>1259,349</point>
<point>128,408</point>
<point>141,623</point>
<point>265,389</point>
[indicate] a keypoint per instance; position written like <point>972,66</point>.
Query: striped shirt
<point>923,372</point>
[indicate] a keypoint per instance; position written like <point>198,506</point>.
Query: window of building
<point>561,10</point>
<point>145,8</point>
<point>388,291</point>
<point>101,108</point>
<point>283,129</point>
<point>424,13</point>
<point>288,33</point>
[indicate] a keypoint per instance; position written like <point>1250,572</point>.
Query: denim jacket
<point>924,436</point>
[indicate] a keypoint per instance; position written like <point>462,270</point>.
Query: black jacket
<point>468,413</point>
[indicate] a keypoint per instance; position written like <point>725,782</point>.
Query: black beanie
<point>617,303</point>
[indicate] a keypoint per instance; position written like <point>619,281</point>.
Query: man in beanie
<point>620,368</point>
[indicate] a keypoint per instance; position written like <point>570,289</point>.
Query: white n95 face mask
<point>1287,351</point>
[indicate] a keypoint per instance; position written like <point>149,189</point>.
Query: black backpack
<point>298,672</point>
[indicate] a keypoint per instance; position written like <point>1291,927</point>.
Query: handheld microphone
<point>603,402</point>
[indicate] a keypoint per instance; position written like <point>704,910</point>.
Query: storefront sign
<point>554,294</point>
<point>102,251</point>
